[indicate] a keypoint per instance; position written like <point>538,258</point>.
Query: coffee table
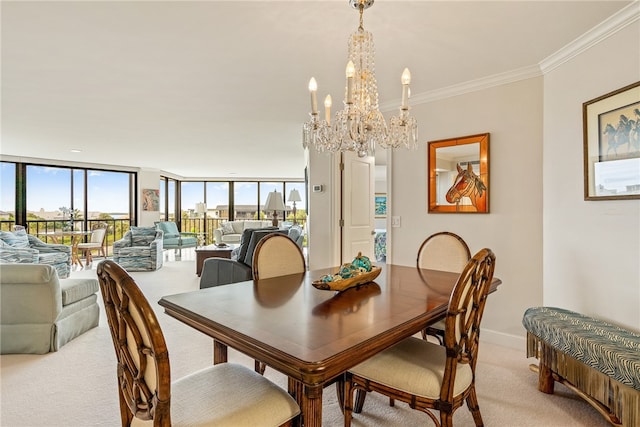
<point>211,251</point>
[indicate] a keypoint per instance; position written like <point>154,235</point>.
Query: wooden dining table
<point>311,335</point>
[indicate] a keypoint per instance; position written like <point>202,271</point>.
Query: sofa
<point>40,312</point>
<point>20,247</point>
<point>140,249</point>
<point>172,238</point>
<point>222,271</point>
<point>230,232</point>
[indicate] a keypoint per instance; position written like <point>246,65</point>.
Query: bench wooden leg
<point>545,379</point>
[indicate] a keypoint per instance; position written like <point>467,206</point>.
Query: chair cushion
<point>415,366</point>
<point>74,290</point>
<point>601,345</point>
<point>169,228</point>
<point>17,239</point>
<point>231,395</point>
<point>142,236</point>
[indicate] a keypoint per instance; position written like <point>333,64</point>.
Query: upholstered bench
<point>41,313</point>
<point>594,358</point>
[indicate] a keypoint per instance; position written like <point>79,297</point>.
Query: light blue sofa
<point>20,247</point>
<point>140,249</point>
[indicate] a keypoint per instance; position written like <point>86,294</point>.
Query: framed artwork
<point>611,128</point>
<point>459,174</point>
<point>380,205</point>
<point>150,200</point>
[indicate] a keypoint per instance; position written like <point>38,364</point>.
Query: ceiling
<point>218,89</point>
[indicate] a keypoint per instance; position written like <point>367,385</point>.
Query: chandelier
<point>360,126</point>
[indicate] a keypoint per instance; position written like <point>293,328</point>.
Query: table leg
<point>75,257</point>
<point>311,405</point>
<point>219,352</point>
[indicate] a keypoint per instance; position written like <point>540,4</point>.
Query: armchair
<point>40,312</point>
<point>174,238</point>
<point>20,247</point>
<point>140,249</point>
<point>221,271</point>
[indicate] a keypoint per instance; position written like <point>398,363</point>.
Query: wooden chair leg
<point>347,409</point>
<point>359,402</point>
<point>472,404</point>
<point>259,367</point>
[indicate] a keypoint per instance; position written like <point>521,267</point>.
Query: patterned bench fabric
<point>605,347</point>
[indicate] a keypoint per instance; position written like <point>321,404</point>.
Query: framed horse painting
<point>611,127</point>
<point>459,174</point>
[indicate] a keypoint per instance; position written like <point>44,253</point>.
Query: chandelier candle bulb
<point>313,88</point>
<point>327,108</point>
<point>350,72</point>
<point>405,79</point>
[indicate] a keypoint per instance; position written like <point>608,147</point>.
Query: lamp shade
<point>274,202</point>
<point>294,196</point>
<point>201,208</point>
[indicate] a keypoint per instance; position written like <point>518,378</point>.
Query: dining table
<point>311,335</point>
<point>75,235</point>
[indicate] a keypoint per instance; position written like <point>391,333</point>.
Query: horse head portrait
<point>468,184</point>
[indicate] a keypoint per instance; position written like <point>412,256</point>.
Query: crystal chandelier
<point>360,126</point>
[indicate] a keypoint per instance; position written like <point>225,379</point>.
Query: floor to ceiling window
<point>7,195</point>
<point>203,206</point>
<point>54,198</point>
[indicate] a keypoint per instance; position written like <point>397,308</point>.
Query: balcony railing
<point>205,229</point>
<point>39,228</point>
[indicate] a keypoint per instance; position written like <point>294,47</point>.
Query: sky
<point>49,188</point>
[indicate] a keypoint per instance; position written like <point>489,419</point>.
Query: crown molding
<point>626,16</point>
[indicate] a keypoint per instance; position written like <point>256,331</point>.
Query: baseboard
<point>515,342</point>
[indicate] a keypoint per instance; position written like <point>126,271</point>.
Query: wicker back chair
<point>444,251</point>
<point>277,255</point>
<point>213,396</point>
<point>427,375</point>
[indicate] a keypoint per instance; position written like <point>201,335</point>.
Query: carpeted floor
<point>76,386</point>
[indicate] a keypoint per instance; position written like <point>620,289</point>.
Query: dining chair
<point>226,394</point>
<point>426,375</point>
<point>276,255</point>
<point>444,251</point>
<point>95,243</point>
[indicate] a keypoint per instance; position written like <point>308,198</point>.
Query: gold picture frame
<point>459,174</point>
<point>611,137</point>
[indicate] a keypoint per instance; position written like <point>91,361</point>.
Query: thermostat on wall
<point>317,188</point>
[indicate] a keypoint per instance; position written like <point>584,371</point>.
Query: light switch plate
<point>395,221</point>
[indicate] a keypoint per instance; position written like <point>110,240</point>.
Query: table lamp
<point>201,208</point>
<point>274,203</point>
<point>294,197</point>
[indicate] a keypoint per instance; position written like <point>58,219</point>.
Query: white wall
<point>512,114</point>
<point>150,179</point>
<point>591,248</point>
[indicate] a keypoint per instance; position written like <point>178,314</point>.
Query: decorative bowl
<point>341,285</point>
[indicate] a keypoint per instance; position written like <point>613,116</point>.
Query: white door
<point>358,180</point>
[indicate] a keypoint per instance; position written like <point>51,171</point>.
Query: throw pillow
<point>227,228</point>
<point>142,236</point>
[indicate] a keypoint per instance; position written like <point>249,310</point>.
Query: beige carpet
<point>76,386</point>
